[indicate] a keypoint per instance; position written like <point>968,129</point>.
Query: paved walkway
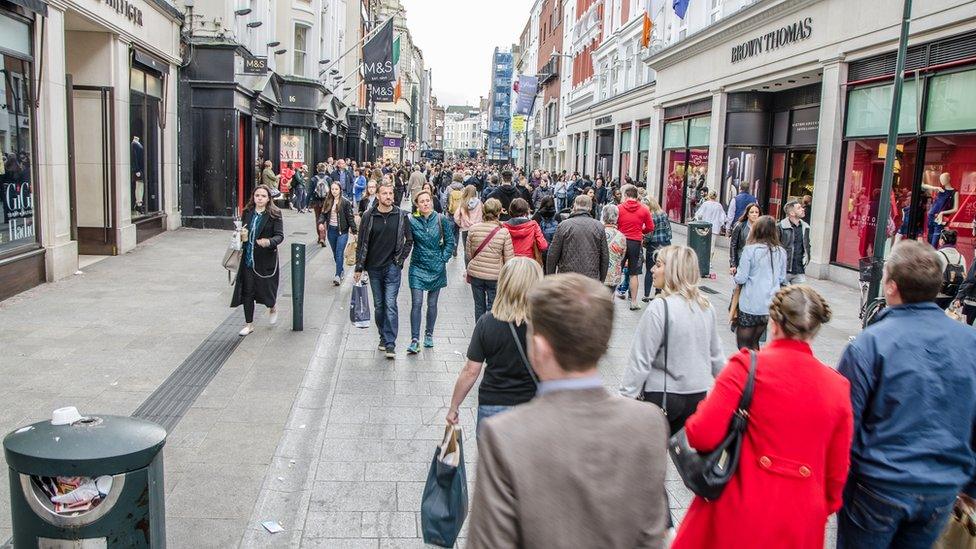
<point>313,429</point>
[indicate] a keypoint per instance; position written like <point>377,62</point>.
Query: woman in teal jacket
<point>432,245</point>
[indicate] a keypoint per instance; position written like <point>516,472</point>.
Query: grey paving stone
<point>341,471</point>
<point>354,496</point>
<point>188,533</point>
<point>399,471</point>
<point>340,543</point>
<point>389,525</point>
<point>341,524</point>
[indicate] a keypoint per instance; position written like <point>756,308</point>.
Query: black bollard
<point>297,286</point>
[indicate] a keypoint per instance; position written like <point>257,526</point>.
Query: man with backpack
<point>953,266</point>
<point>318,190</point>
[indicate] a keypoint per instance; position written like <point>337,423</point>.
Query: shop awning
<point>36,6</point>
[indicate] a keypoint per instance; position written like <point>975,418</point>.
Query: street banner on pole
<point>527,88</point>
<point>381,92</point>
<point>378,62</point>
<point>518,123</point>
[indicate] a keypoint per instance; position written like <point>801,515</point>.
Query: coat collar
<point>790,345</point>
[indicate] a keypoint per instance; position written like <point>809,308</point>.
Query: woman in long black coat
<point>257,278</point>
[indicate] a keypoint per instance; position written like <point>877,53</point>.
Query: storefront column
<point>61,256</point>
<point>615,157</point>
<point>654,153</point>
<point>590,166</point>
<point>170,168</point>
<point>829,144</point>
<point>125,230</point>
<point>716,140</point>
<point>634,152</point>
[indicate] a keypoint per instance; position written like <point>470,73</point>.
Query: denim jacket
<point>761,275</point>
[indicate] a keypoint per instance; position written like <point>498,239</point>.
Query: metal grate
<point>170,401</point>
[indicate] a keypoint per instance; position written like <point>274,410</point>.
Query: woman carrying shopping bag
<point>257,280</point>
<point>433,243</point>
<point>338,218</point>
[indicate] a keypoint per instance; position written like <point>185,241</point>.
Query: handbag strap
<point>486,241</point>
<point>750,386</point>
<point>525,360</point>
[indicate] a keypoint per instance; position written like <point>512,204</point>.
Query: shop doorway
<point>791,179</point>
<point>91,185</point>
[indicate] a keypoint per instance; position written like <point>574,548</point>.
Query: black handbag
<point>707,474</point>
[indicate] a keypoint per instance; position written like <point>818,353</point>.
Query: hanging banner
<point>527,88</point>
<point>378,56</point>
<point>381,92</point>
<point>518,124</point>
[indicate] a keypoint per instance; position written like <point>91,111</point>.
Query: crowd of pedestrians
<point>886,438</point>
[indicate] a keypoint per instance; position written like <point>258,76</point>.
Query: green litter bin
<point>700,240</point>
<point>120,458</point>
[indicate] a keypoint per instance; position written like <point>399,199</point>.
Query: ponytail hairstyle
<point>799,311</point>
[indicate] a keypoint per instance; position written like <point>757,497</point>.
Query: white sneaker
<point>246,330</point>
<point>273,318</point>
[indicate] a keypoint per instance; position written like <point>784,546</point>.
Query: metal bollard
<point>297,286</point>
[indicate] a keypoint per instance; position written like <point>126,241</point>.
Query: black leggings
<point>247,292</point>
<point>680,407</point>
<point>747,337</point>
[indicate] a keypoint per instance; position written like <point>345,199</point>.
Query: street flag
<point>397,91</point>
<point>378,63</point>
<point>646,31</point>
<point>680,7</point>
<point>528,86</point>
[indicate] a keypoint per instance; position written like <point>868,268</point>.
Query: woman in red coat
<point>527,238</point>
<point>797,445</point>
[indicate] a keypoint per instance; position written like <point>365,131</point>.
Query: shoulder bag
<point>525,359</point>
<point>707,474</point>
<point>484,243</point>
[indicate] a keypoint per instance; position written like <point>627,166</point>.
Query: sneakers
<point>389,353</point>
<point>428,341</point>
<point>245,331</point>
<point>646,299</point>
<point>337,280</point>
<point>273,317</point>
<point>635,307</point>
<point>413,348</point>
<point>621,295</point>
<point>381,346</point>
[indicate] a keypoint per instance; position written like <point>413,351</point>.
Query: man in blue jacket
<point>913,392</point>
<point>344,177</point>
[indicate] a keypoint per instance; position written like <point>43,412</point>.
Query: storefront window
<point>685,166</point>
<point>16,180</point>
<point>624,154</point>
<point>950,102</point>
<point>296,147</point>
<point>643,151</point>
<point>950,163</point>
<point>145,99</point>
<point>858,220</point>
<point>869,109</point>
<point>745,165</point>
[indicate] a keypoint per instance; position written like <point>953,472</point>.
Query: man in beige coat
<point>577,466</point>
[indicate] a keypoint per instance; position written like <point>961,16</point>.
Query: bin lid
<point>98,445</point>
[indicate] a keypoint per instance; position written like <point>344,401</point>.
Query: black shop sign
<point>790,34</point>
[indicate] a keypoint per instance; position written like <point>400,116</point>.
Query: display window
<point>643,153</point>
<point>145,107</point>
<point>624,154</point>
<point>949,189</point>
<point>683,184</point>
<point>17,214</point>
<point>296,149</point>
<point>745,165</point>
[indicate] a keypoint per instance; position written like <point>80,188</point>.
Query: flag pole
<point>884,201</point>
<point>358,42</point>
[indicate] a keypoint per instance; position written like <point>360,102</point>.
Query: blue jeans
<point>337,241</point>
<point>416,309</point>
<point>878,518</point>
<point>299,197</point>
<point>384,284</point>
<point>624,286</point>
<point>484,295</point>
<point>935,230</point>
<point>485,411</point>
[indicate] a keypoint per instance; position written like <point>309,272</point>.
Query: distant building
<point>499,147</point>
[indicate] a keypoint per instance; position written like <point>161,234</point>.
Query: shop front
<point>298,127</point>
<point>934,187</point>
<point>685,150</point>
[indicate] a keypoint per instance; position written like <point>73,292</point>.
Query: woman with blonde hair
<point>669,364</point>
<point>795,453</point>
<point>499,343</point>
<point>468,214</point>
<point>489,248</point>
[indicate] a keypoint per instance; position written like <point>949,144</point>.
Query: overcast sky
<point>458,37</point>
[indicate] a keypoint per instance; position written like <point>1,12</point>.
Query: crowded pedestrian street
<point>314,429</point>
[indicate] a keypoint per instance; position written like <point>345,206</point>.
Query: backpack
<point>321,186</point>
<point>548,227</point>
<point>952,276</point>
<point>454,200</point>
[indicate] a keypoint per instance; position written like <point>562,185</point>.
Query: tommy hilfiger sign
<point>801,30</point>
<point>127,9</point>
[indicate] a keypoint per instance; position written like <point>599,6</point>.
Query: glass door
<point>777,176</point>
<point>799,186</point>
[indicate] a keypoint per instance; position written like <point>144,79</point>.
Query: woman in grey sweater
<point>694,353</point>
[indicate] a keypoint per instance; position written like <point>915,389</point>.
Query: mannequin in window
<point>136,158</point>
<point>945,202</point>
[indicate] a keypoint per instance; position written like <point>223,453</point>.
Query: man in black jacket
<point>505,193</point>
<point>580,244</point>
<point>385,241</point>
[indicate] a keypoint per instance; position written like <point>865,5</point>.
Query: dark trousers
<point>384,285</point>
<point>319,229</point>
<point>464,242</point>
<point>247,291</point>
<point>680,407</point>
<point>484,295</point>
<point>416,312</point>
<point>650,252</point>
<point>337,241</point>
<point>878,518</point>
<point>970,312</point>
